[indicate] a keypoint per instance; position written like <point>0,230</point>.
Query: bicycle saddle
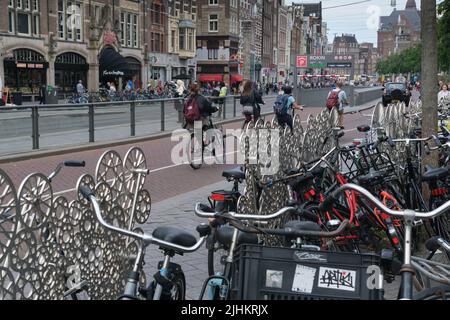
<point>364,129</point>
<point>372,177</point>
<point>236,173</point>
<point>435,174</point>
<point>175,235</point>
<point>224,236</point>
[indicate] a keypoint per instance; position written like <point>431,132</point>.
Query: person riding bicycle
<point>197,108</point>
<point>250,101</point>
<point>284,105</point>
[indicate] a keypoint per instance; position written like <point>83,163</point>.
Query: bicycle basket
<point>270,273</point>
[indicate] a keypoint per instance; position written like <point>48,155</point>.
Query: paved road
<point>174,189</point>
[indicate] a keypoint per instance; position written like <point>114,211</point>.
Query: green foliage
<point>410,59</point>
<point>406,61</point>
<point>444,35</point>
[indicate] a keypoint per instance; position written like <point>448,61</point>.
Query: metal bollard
<point>163,124</point>
<point>234,107</point>
<point>133,118</point>
<point>91,123</point>
<point>35,127</point>
<point>224,111</point>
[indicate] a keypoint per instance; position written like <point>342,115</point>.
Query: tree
<point>429,75</point>
<point>444,35</point>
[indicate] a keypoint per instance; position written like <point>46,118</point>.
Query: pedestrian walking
<point>443,93</point>
<point>42,94</point>
<point>337,98</point>
<point>1,91</point>
<point>222,97</point>
<point>180,92</point>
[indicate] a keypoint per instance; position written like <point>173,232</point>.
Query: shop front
<point>25,71</point>
<point>133,72</point>
<point>113,67</point>
<point>70,67</point>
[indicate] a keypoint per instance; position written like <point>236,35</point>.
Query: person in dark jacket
<point>250,101</point>
<point>205,106</point>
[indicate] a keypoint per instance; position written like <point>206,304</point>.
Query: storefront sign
<point>21,65</point>
<point>302,61</point>
<point>339,65</point>
<point>113,73</point>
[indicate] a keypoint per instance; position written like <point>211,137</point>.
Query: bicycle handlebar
<point>146,239</point>
<point>330,200</point>
<point>290,232</point>
<point>235,220</point>
<point>204,214</point>
<point>68,163</point>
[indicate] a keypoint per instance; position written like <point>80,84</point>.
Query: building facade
<point>282,34</point>
<point>400,30</point>
<point>60,42</point>
<point>218,31</point>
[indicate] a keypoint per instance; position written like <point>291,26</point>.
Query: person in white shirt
<point>443,93</point>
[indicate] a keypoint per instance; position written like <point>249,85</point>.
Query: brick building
<point>218,31</point>
<point>400,30</point>
<point>60,42</point>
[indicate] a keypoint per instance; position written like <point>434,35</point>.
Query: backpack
<point>333,100</point>
<point>191,111</point>
<point>281,105</point>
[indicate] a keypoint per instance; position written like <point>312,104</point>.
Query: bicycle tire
<point>177,293</point>
<point>192,152</point>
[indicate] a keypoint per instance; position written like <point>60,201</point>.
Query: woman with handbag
<point>250,101</point>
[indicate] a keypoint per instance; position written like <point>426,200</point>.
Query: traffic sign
<point>302,61</point>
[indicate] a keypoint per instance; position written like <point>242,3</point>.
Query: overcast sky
<point>357,18</point>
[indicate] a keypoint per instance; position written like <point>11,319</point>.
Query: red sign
<point>302,61</point>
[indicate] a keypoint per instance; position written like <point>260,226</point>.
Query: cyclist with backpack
<point>197,108</point>
<point>337,98</point>
<point>283,105</point>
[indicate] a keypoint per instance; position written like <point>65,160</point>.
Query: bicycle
<point>169,282</point>
<point>238,233</point>
<point>409,216</point>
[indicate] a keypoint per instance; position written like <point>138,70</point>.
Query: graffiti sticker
<point>339,279</point>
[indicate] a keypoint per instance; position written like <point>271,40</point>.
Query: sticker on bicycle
<point>309,256</point>
<point>338,279</point>
<point>274,279</point>
<point>304,279</point>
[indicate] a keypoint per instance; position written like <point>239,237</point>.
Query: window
<point>213,23</point>
<point>213,2</point>
<point>183,39</point>
<point>172,41</point>
<point>213,54</point>
<point>70,20</point>
<point>129,27</point>
<point>24,17</point>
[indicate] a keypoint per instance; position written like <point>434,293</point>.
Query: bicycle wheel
<point>176,293</point>
<point>194,148</point>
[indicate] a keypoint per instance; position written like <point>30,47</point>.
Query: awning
<point>112,64</point>
<point>210,77</point>
<point>236,78</point>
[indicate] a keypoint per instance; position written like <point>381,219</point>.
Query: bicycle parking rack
<point>302,145</point>
<point>48,244</point>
